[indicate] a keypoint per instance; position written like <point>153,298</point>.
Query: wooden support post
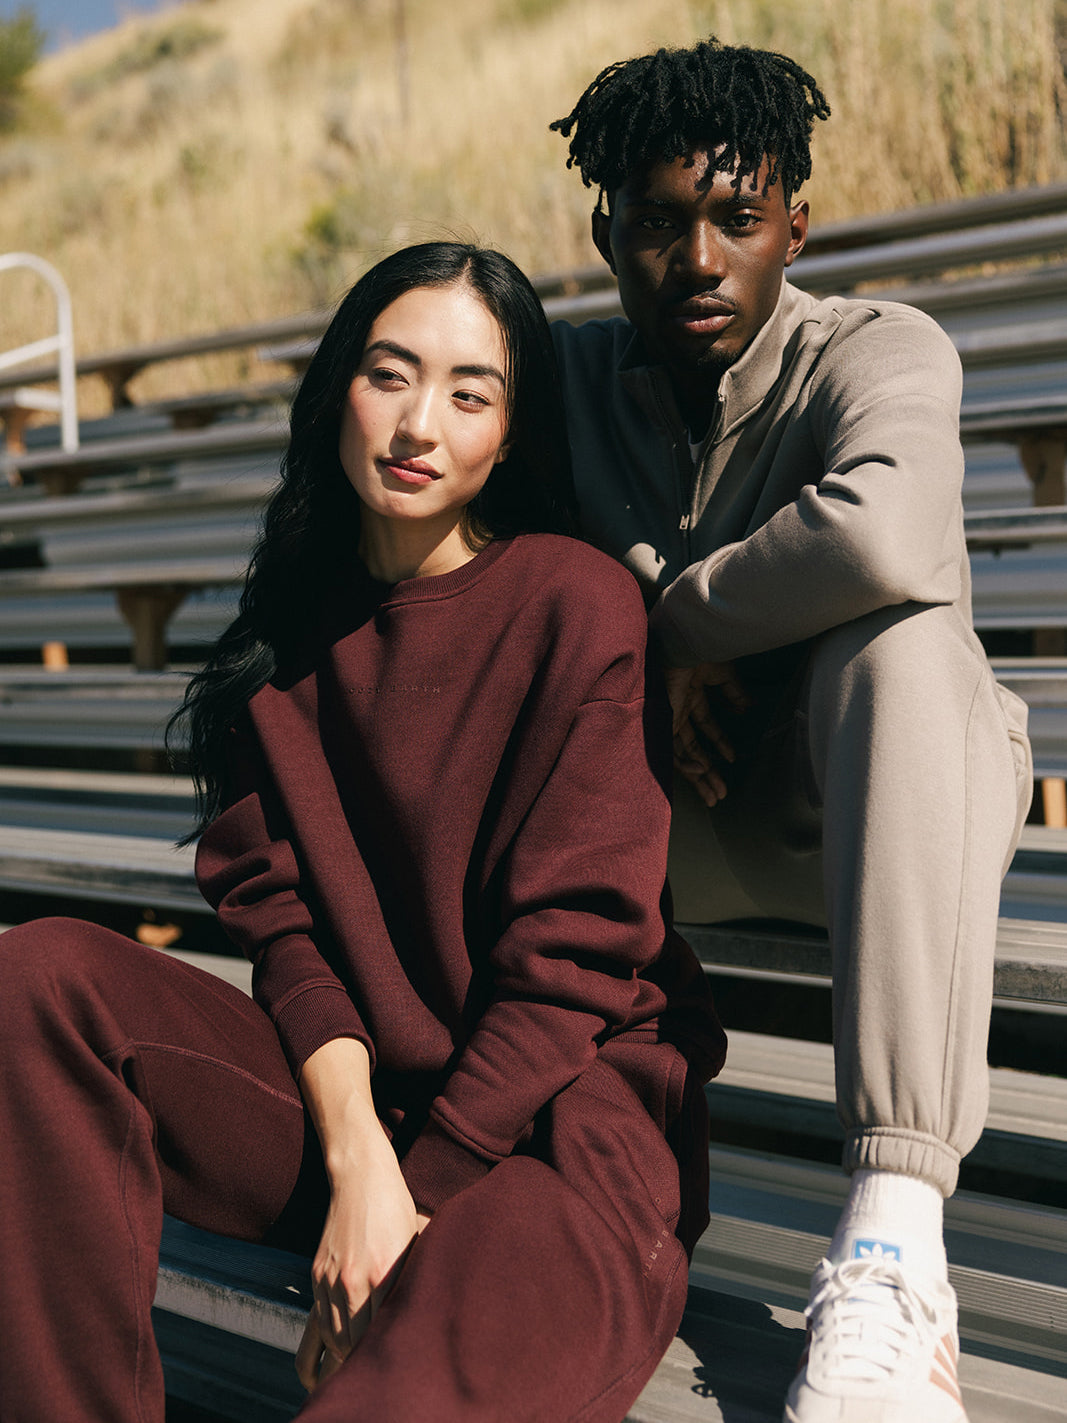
<point>117,378</point>
<point>1044,458</point>
<point>15,418</point>
<point>1049,642</point>
<point>1054,801</point>
<point>147,609</point>
<point>58,482</point>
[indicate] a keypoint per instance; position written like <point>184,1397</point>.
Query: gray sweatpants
<point>882,792</point>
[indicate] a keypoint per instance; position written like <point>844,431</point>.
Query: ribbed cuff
<point>672,647</point>
<point>319,1014</point>
<point>912,1153</point>
<point>438,1166</point>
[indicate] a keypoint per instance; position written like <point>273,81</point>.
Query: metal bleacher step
<point>742,1333</point>
<point>1031,963</point>
<point>87,707</point>
<point>772,1218</point>
<point>110,836</point>
<point>96,802</point>
<point>787,1085</point>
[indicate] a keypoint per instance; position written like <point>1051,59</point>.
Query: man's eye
<point>654,223</point>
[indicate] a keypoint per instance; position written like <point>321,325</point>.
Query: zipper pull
<point>684,524</point>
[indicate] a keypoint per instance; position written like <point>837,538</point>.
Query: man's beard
<point>715,363</point>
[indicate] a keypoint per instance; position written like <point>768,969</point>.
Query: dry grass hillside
<point>226,161</point>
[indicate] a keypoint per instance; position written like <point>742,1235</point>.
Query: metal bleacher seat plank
<point>742,1334</point>
<point>787,1085</point>
<point>96,803</point>
<point>112,868</point>
<point>1042,684</point>
<point>118,708</point>
<point>87,707</point>
<point>1031,961</point>
<point>118,367</point>
<point>60,472</point>
<point>1004,528</point>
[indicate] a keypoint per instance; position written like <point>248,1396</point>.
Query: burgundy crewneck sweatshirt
<point>448,839</point>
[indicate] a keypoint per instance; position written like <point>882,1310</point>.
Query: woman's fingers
<point>379,1293</point>
<point>329,1366</point>
<point>343,1317</point>
<point>310,1352</point>
<point>333,1318</point>
<point>315,1358</point>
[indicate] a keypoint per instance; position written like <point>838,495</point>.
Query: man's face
<point>699,265</point>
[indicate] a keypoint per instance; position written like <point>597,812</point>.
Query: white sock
<point>900,1213</point>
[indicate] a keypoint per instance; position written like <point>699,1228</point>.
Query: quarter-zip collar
<point>742,389</point>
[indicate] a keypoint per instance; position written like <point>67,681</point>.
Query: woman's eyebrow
<point>393,348</point>
<point>490,372</point>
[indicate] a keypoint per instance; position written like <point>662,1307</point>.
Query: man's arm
<point>882,525</point>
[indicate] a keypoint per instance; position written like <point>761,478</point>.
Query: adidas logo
<point>876,1250</point>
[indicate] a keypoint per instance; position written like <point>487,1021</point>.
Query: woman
<point>473,1065</point>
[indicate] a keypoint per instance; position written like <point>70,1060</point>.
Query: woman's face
<point>426,416</point>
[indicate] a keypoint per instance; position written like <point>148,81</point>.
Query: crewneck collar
<point>438,585</point>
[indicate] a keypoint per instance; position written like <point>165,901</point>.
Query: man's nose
<point>701,254</point>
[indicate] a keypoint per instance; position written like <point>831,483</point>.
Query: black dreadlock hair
<point>749,103</point>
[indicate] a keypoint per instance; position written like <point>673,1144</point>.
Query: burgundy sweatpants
<point>131,1084</point>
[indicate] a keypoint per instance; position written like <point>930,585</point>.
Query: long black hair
<point>749,104</point>
<point>310,527</point>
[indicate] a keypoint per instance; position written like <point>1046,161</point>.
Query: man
<point>783,476</point>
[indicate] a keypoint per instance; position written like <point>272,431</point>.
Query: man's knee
<point>903,677</point>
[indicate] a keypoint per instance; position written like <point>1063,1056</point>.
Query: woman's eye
<point>471,399</point>
<point>384,376</point>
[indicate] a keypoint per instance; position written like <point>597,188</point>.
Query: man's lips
<point>410,471</point>
<point>701,317</point>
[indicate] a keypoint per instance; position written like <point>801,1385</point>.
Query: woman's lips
<point>410,471</point>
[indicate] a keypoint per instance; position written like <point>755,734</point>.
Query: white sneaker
<point>882,1347</point>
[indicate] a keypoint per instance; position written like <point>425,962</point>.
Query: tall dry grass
<point>230,160</point>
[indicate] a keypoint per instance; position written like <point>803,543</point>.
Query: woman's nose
<point>415,425</point>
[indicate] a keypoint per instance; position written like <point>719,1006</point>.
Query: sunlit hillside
<point>225,161</point>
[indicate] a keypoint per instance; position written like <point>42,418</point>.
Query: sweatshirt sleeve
<point>581,887</point>
<point>249,872</point>
<point>882,526</point>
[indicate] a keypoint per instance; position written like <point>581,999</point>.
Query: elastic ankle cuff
<point>912,1153</point>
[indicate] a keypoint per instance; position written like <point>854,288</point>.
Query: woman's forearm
<point>371,1221</point>
<point>335,1085</point>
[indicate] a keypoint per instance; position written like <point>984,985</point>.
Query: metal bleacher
<point>128,554</point>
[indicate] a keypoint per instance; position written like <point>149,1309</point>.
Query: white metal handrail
<point>62,343</point>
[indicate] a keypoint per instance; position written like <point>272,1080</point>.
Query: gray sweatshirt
<point>828,485</point>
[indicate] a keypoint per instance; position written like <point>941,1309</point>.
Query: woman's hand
<point>372,1220</point>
